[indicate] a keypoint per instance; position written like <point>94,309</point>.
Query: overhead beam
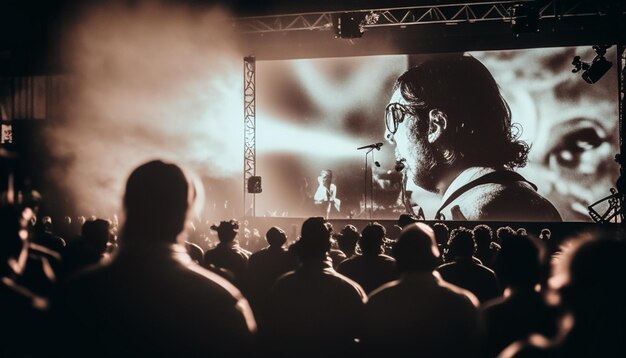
<point>423,15</point>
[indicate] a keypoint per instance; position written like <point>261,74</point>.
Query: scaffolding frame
<point>249,136</point>
<point>450,14</point>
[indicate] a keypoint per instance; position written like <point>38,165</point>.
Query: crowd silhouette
<point>89,288</point>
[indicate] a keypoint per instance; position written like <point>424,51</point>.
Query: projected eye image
<point>314,114</point>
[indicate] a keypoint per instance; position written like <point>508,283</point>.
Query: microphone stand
<point>370,149</point>
<point>371,184</point>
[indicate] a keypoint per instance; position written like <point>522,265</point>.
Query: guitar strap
<point>497,177</point>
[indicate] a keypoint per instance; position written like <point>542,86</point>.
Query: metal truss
<point>422,15</point>
<point>621,57</point>
<point>249,139</point>
<point>612,209</point>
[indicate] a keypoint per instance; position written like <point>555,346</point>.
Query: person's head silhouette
<point>314,241</point>
<point>347,239</point>
<point>157,199</point>
<point>590,272</point>
<point>276,237</point>
<point>520,261</point>
<point>416,249</point>
<point>226,230</point>
<point>372,239</point>
<point>461,243</point>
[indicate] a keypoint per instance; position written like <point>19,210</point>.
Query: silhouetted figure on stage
<point>588,284</point>
<point>325,196</point>
<point>314,311</point>
<point>521,311</point>
<point>453,133</point>
<point>372,268</point>
<point>464,271</point>
<point>228,254</point>
<point>267,265</point>
<point>151,299</point>
<point>420,315</point>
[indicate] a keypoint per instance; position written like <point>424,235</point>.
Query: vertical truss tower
<point>249,134</point>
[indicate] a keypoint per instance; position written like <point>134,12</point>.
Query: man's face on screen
<point>412,147</point>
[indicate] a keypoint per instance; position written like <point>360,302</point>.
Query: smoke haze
<point>147,81</point>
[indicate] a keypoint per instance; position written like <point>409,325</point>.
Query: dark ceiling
<point>28,29</point>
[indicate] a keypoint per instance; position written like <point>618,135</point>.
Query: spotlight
<point>592,72</point>
<point>351,25</point>
<point>524,18</point>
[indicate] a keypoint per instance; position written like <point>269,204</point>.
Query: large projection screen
<point>312,114</point>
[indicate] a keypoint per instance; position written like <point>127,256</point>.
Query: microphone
<point>399,165</point>
<point>372,146</point>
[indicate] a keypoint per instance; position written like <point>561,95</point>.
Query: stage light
<point>592,72</point>
<point>351,25</point>
<point>524,18</point>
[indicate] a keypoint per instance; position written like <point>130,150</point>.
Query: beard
<point>425,165</point>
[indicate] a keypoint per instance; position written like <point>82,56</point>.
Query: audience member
<point>267,265</point>
<point>419,314</point>
<point>228,254</point>
<point>347,240</point>
<point>546,237</point>
<point>335,254</point>
<point>151,299</point>
<point>149,295</point>
<point>195,252</point>
<point>314,311</point>
<point>24,323</point>
<point>65,229</point>
<point>406,219</point>
<point>442,235</point>
<point>504,232</point>
<point>46,238</point>
<point>486,248</point>
<point>372,268</point>
<point>89,249</point>
<point>522,310</point>
<point>588,283</point>
<point>466,272</point>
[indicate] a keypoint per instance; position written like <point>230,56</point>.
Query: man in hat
<point>228,254</point>
<point>314,311</point>
<point>151,299</point>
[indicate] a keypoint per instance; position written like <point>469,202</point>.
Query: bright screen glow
<point>313,114</point>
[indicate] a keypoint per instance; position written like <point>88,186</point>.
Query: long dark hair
<point>479,130</point>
